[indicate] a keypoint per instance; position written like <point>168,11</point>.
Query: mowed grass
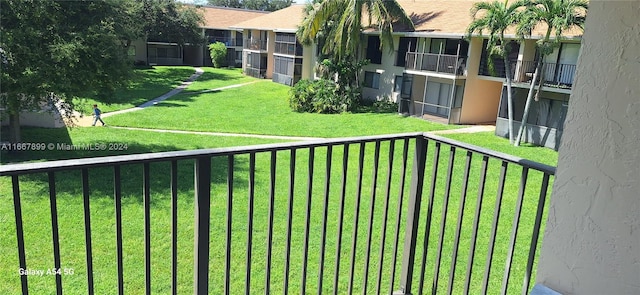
<point>147,84</point>
<point>36,216</point>
<point>262,108</point>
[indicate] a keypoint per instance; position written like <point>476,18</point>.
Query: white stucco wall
<point>592,239</point>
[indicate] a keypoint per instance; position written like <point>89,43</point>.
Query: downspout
<point>424,97</point>
<point>453,87</point>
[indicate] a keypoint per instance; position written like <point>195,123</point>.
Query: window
<point>287,44</point>
<point>374,54</point>
<point>238,55</point>
<point>397,84</point>
<point>372,80</point>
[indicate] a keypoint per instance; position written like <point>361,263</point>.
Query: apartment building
<point>435,72</point>
<point>216,28</point>
<point>271,49</point>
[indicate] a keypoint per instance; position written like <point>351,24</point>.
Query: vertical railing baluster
<point>272,195</point>
<point>354,241</point>
<point>413,214</point>
<point>228,233</point>
<point>463,197</point>
<point>385,214</point>
<point>536,232</point>
<point>427,224</point>
<point>54,230</point>
<point>117,196</point>
<point>287,255</point>
<point>343,189</point>
<point>252,176</point>
<point>396,240</point>
<point>494,227</point>
<point>514,228</point>
<point>147,226</point>
<point>325,209</point>
<point>87,229</point>
<point>174,227</point>
<point>476,223</point>
<point>202,217</point>
<point>374,187</point>
<point>17,207</point>
<point>307,221</point>
<point>443,222</point>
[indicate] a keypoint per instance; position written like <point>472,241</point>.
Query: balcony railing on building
<point>438,63</point>
<point>366,215</point>
<point>556,75</point>
<point>255,44</point>
<point>228,41</point>
<point>288,48</point>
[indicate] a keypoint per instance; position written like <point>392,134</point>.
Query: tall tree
<point>348,17</point>
<point>496,17</point>
<point>558,16</point>
<point>169,21</point>
<point>264,5</point>
<point>337,25</point>
<point>54,51</point>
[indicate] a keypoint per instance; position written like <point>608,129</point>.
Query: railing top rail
<point>26,168</point>
<point>435,54</point>
<point>498,155</point>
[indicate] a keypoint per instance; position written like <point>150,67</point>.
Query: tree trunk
<point>525,115</point>
<point>509,96</point>
<point>14,127</point>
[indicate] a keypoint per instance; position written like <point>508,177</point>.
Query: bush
<point>300,96</point>
<point>218,52</point>
<point>385,106</point>
<point>322,96</point>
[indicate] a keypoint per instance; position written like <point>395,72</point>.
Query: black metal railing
<point>439,63</point>
<point>300,200</point>
<point>255,44</point>
<point>228,41</point>
<point>554,74</point>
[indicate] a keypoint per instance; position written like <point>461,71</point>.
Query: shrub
<point>300,96</point>
<point>319,96</point>
<point>385,106</point>
<point>218,52</point>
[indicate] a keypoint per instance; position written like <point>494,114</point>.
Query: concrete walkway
<point>292,138</point>
<point>158,99</point>
<point>471,129</point>
<point>82,120</point>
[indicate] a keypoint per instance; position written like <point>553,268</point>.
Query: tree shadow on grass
<point>101,179</point>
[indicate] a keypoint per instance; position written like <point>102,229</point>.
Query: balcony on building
<point>441,56</point>
<point>255,44</point>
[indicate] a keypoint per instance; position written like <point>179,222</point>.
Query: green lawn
<point>262,108</point>
<point>147,84</point>
<point>234,110</point>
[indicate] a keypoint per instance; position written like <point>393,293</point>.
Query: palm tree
<point>348,16</point>
<point>558,16</point>
<point>496,17</point>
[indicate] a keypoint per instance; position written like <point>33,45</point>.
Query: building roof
<point>284,20</point>
<point>451,17</point>
<point>430,18</point>
<point>224,17</point>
